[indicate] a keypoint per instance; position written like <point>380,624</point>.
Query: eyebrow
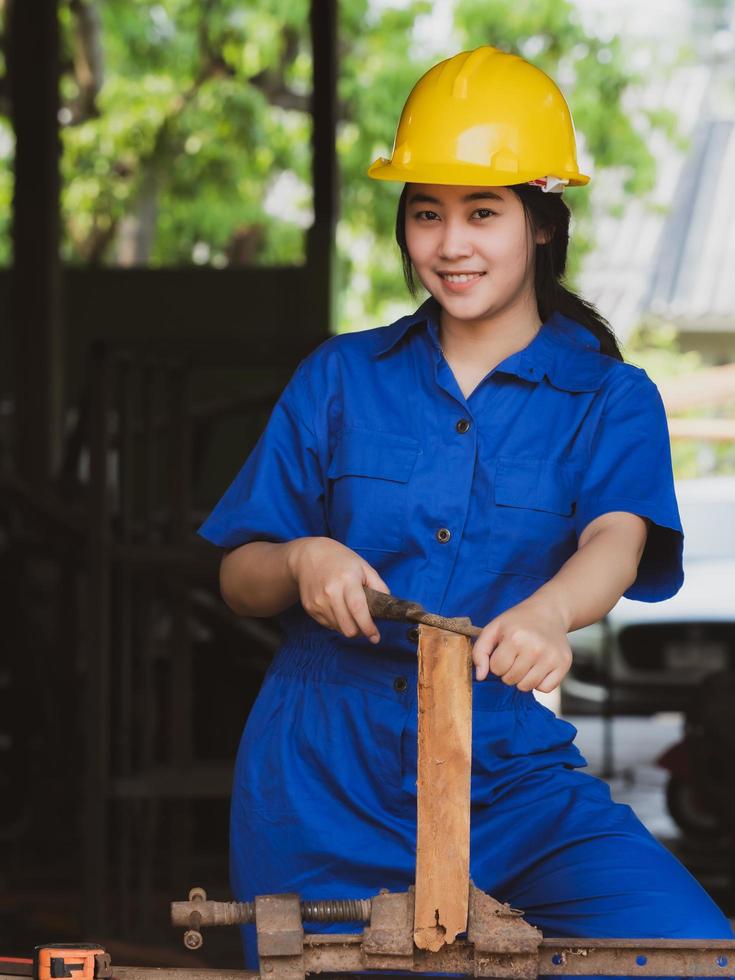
<point>475,196</point>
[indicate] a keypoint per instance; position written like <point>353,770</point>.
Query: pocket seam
<point>525,489</point>
<point>376,455</point>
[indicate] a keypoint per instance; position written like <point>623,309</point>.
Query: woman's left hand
<point>526,646</point>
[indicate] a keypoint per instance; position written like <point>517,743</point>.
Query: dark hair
<point>543,211</point>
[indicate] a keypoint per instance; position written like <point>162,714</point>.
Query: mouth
<point>460,276</point>
<point>459,281</point>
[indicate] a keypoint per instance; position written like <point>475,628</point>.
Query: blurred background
<point>184,215</point>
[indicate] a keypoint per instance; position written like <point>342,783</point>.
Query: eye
<point>483,212</point>
<point>426,215</point>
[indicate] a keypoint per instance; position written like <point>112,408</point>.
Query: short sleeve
<point>630,470</point>
<point>278,494</point>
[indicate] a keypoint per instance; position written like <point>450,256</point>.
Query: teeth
<point>461,278</point>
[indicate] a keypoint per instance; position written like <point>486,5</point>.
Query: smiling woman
<point>489,455</point>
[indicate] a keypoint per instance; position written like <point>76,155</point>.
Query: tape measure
<point>71,961</point>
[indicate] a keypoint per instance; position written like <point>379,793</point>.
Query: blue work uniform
<point>466,505</point>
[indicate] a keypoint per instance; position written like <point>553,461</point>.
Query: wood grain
<point>443,787</point>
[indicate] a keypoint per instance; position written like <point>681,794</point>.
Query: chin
<point>467,308</point>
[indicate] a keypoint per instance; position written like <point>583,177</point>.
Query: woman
<point>488,456</point>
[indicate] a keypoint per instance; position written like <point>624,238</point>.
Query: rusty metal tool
<point>499,944</point>
<point>384,606</point>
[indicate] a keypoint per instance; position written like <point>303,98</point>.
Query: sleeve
<point>630,470</point>
<point>278,493</point>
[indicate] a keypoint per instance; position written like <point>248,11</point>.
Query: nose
<point>455,243</point>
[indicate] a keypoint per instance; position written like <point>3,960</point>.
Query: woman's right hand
<point>331,580</point>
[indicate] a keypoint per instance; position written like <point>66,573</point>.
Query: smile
<point>459,282</point>
<point>460,276</point>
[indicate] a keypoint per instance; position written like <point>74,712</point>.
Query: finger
<point>502,658</point>
<point>374,580</point>
<point>551,681</point>
<point>343,617</point>
<point>481,660</point>
<point>483,648</point>
<point>534,677</point>
<point>524,661</point>
<point>357,605</point>
<point>561,666</point>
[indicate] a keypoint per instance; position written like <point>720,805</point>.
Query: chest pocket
<point>532,529</point>
<point>369,485</point>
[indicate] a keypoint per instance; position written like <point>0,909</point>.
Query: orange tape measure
<point>71,961</point>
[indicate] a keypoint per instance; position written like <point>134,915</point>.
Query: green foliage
<point>178,153</point>
<point>655,348</point>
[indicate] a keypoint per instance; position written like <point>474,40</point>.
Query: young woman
<point>490,456</point>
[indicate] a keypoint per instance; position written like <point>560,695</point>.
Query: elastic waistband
<point>390,674</point>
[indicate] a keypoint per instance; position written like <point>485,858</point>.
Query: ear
<point>544,236</point>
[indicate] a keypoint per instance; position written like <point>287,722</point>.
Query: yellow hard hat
<point>484,117</point>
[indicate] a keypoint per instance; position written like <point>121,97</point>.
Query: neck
<point>490,339</point>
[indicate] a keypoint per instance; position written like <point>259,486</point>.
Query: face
<point>471,248</point>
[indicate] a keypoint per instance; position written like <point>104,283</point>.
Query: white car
<point>648,656</point>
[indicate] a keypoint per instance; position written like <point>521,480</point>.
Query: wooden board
<point>443,787</point>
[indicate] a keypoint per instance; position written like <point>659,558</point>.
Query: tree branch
<point>272,81</point>
<point>88,61</point>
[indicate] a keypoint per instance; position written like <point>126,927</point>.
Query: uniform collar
<point>563,350</point>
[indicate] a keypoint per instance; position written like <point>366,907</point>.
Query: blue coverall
<point>372,443</point>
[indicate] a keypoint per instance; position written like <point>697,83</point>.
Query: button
<point>463,425</point>
<point>413,634</point>
<point>400,684</point>
<point>443,535</point>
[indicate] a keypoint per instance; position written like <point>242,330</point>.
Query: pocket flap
<point>384,455</point>
<point>538,484</point>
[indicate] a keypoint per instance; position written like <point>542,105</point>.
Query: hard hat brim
<point>462,174</point>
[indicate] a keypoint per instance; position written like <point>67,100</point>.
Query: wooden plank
<point>443,787</point>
